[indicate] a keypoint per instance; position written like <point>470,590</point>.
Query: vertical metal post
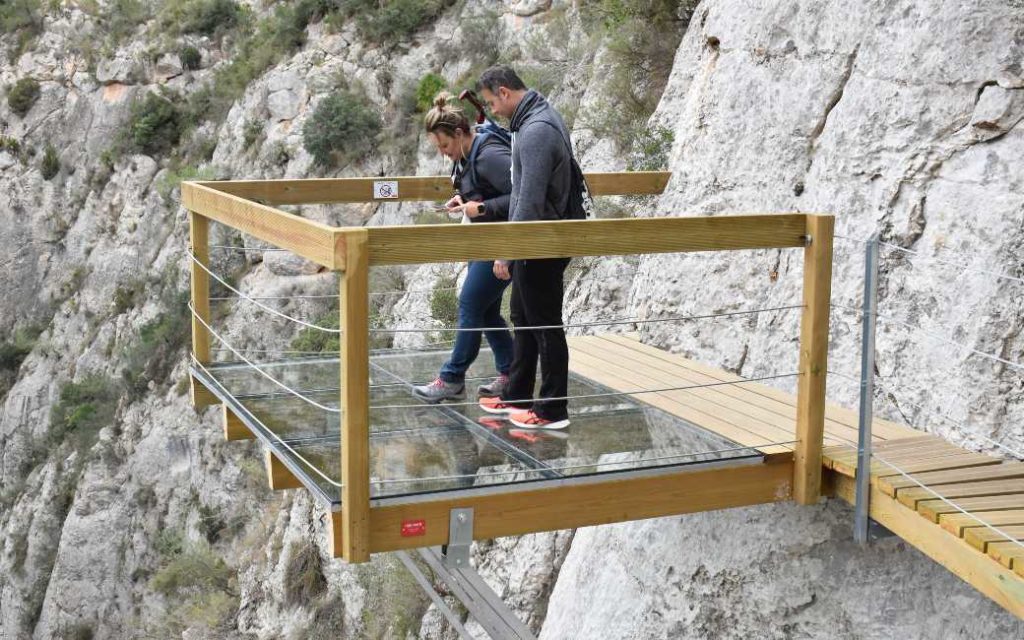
<point>867,392</point>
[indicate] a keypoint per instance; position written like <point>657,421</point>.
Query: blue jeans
<point>479,306</point>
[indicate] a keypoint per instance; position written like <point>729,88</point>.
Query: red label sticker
<point>412,528</point>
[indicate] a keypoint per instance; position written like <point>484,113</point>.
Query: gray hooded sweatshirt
<point>541,161</point>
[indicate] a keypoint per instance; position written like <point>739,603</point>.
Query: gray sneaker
<point>439,390</point>
<point>495,388</point>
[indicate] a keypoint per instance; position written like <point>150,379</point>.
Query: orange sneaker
<point>494,424</point>
<point>530,420</point>
<point>495,405</point>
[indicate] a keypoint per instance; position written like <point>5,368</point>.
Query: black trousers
<point>537,300</point>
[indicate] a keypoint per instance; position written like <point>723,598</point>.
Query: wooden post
<point>279,477</point>
<point>199,243</point>
<point>355,397</point>
<point>810,416</point>
<point>234,428</point>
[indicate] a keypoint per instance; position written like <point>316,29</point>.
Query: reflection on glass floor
<point>437,448</point>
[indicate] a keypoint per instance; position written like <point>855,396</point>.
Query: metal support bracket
<point>460,538</point>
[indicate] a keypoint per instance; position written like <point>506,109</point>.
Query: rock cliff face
<point>900,117</point>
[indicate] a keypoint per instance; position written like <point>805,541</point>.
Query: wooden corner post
<point>355,394</point>
<point>199,244</point>
<point>810,419</point>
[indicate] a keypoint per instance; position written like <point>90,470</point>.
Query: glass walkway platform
<point>418,449</point>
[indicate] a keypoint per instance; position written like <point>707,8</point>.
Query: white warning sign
<point>385,189</point>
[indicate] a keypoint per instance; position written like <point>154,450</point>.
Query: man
<point>541,181</point>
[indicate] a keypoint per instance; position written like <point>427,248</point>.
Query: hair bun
<point>441,100</point>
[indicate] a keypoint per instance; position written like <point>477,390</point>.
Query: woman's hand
<point>501,271</point>
<point>454,204</point>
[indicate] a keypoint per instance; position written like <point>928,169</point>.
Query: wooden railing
<point>352,251</point>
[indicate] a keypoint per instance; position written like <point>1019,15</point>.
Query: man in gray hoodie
<point>541,180</point>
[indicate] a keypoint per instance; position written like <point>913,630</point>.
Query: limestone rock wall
<point>900,117</point>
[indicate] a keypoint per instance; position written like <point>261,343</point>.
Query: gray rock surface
<point>899,116</point>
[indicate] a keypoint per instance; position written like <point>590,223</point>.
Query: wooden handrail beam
<point>533,240</point>
<point>311,240</point>
<point>337,190</point>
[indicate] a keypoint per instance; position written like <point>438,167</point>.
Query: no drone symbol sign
<point>385,189</point>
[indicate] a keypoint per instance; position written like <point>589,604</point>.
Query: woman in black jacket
<point>482,179</point>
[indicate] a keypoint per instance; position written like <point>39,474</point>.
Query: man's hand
<point>501,271</point>
<point>472,209</point>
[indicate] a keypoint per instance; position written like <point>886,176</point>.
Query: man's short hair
<point>500,76</point>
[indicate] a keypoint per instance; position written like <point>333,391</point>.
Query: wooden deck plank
<point>1009,554</point>
<point>886,447</point>
<point>910,497</point>
<point>981,572</point>
<point>846,463</point>
<point>981,537</point>
<point>892,485</point>
<point>677,404</point>
<point>836,416</point>
<point>627,375</point>
<point>731,402</point>
<point>956,523</point>
<point>919,452</point>
<point>752,403</point>
<point>881,470</point>
<point>932,509</point>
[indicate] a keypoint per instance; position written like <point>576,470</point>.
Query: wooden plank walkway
<point>757,415</point>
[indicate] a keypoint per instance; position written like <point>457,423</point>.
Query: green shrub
<point>21,17</point>
<point>642,38</point>
<point>122,17</point>
<point>304,579</point>
<point>128,295</point>
<point>205,17</point>
<point>153,354</point>
<point>444,305</point>
<point>175,176</point>
<point>10,145</point>
<point>429,86</point>
<point>156,124</point>
<point>83,408</point>
<point>650,149</point>
<point>22,95</point>
<point>79,631</point>
<point>343,128</point>
<point>50,164</point>
<point>190,58</point>
<point>253,131</point>
<point>310,339</point>
<point>389,22</point>
<point>14,350</point>
<point>211,523</point>
<point>259,47</point>
<point>195,567</point>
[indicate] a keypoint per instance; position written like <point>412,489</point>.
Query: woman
<point>482,178</point>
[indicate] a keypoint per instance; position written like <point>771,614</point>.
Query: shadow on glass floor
<point>421,449</point>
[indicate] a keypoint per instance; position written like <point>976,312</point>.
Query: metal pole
<point>867,379</point>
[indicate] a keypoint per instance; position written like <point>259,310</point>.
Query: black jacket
<point>494,181</point>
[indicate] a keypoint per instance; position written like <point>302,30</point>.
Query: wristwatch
<point>481,209</point>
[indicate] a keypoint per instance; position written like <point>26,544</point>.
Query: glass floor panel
<point>417,448</point>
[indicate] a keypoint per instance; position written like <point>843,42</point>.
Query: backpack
<point>485,131</point>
